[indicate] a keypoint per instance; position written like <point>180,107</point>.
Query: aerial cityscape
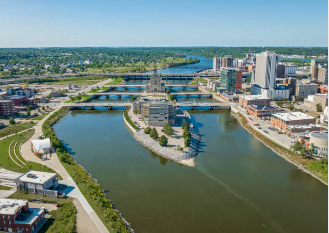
<point>154,117</point>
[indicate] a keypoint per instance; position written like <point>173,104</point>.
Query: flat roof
<point>253,97</point>
<point>36,177</point>
<point>34,213</point>
<point>10,206</point>
<point>320,135</point>
<point>293,116</point>
<point>264,107</point>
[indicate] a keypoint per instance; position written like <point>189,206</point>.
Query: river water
<point>237,185</point>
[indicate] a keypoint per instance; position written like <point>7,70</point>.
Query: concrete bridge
<point>140,86</point>
<point>119,94</point>
<point>193,94</point>
<point>196,105</point>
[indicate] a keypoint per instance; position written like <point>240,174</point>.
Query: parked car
<point>265,131</point>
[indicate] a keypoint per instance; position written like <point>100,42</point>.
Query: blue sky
<point>40,23</point>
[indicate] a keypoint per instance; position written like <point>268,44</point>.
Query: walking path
<point>84,209</point>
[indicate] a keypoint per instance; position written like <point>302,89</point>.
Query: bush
<point>128,119</point>
<point>133,98</point>
<point>172,98</point>
<point>11,121</point>
<point>168,92</point>
<point>168,130</point>
<point>319,107</point>
<point>147,130</point>
<point>163,141</point>
<point>154,133</point>
<point>185,126</point>
<point>291,107</point>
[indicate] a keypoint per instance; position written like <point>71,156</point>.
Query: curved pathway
<point>11,156</point>
<point>86,217</point>
<point>16,154</point>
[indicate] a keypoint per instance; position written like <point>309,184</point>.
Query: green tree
<point>147,130</point>
<point>187,142</point>
<point>163,141</point>
<point>300,98</point>
<point>168,92</point>
<point>28,113</point>
<point>168,130</point>
<point>133,98</point>
<point>43,108</point>
<point>279,103</point>
<point>11,121</point>
<point>186,134</point>
<point>291,107</point>
<point>185,125</point>
<point>319,107</point>
<point>171,98</point>
<point>154,133</point>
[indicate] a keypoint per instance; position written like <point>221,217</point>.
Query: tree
<point>319,107</point>
<point>296,147</point>
<point>11,121</point>
<point>49,96</point>
<point>279,103</point>
<point>133,98</point>
<point>291,107</point>
<point>154,133</point>
<point>28,113</point>
<point>171,98</point>
<point>185,125</point>
<point>43,108</point>
<point>168,92</point>
<point>186,134</point>
<point>147,130</point>
<point>168,130</point>
<point>187,142</point>
<point>163,141</point>
<point>300,98</point>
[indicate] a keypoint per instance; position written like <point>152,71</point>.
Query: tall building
<point>227,61</point>
<point>155,85</point>
<point>322,77</point>
<point>7,108</point>
<point>228,80</point>
<point>314,68</point>
<point>238,85</point>
<point>280,71</point>
<point>217,62</point>
<point>266,70</point>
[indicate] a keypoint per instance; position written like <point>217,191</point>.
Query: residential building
<point>227,61</point>
<point>266,70</point>
<point>7,108</point>
<point>322,75</point>
<point>246,100</point>
<point>306,89</point>
<point>262,110</point>
<point>155,85</point>
<point>294,122</point>
<point>16,216</point>
<point>217,62</point>
<point>155,111</point>
<point>20,91</point>
<point>213,84</point>
<point>42,183</point>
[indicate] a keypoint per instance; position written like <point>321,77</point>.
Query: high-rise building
<point>227,61</point>
<point>322,75</point>
<point>217,62</point>
<point>6,108</point>
<point>314,68</point>
<point>238,85</point>
<point>228,80</point>
<point>266,70</point>
<point>280,71</point>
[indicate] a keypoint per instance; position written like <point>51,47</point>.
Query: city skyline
<point>164,24</point>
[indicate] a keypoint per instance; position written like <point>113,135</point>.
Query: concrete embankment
<point>186,157</point>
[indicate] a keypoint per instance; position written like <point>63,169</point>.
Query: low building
<point>20,91</point>
<point>42,183</point>
<point>155,111</point>
<point>319,141</point>
<point>262,110</point>
<point>7,108</point>
<point>306,89</point>
<point>42,146</point>
<point>321,99</point>
<point>212,84</point>
<point>56,94</point>
<point>19,101</point>
<point>16,216</point>
<point>294,122</point>
<point>280,92</point>
<point>246,100</point>
<point>229,96</point>
<point>323,89</point>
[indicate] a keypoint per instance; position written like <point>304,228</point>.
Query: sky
<point>155,23</point>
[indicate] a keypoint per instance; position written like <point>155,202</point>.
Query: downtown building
<point>230,80</point>
<point>264,81</point>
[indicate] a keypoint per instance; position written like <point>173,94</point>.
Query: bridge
<point>187,94</point>
<point>140,86</point>
<point>196,105</point>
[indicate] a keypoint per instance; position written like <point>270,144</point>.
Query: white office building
<point>266,68</point>
<point>217,61</point>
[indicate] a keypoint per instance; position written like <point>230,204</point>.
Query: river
<point>237,185</point>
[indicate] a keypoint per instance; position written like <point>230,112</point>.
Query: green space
<point>197,80</point>
<point>78,98</point>
<point>61,220</point>
<point>95,90</point>
<point>319,167</point>
<point>91,190</point>
<point>41,116</point>
<point>4,187</point>
<point>79,80</point>
<point>128,118</point>
<point>115,82</point>
<point>21,194</point>
<point>7,163</point>
<point>13,129</point>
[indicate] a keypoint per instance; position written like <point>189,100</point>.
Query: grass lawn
<point>79,80</point>
<point>115,82</point>
<point>41,116</point>
<point>4,187</point>
<point>75,99</point>
<point>94,90</point>
<point>7,163</point>
<point>11,129</point>
<point>61,220</point>
<point>20,194</point>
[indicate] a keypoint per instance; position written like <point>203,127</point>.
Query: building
<point>155,111</point>
<point>262,110</point>
<point>290,69</point>
<point>266,70</point>
<point>294,122</point>
<point>227,61</point>
<point>280,71</point>
<point>290,83</point>
<point>323,89</point>
<point>229,96</point>
<point>42,146</point>
<point>155,85</point>
<point>251,67</point>
<point>19,101</point>
<point>228,80</point>
<point>56,93</point>
<point>19,91</point>
<point>42,183</point>
<point>321,99</point>
<point>7,108</point>
<point>213,84</point>
<point>238,85</point>
<point>16,216</point>
<point>306,89</point>
<point>217,62</point>
<point>319,142</point>
<point>314,69</point>
<point>322,75</point>
<point>280,92</point>
<point>246,100</point>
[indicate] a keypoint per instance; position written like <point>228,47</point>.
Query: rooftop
<point>320,135</point>
<point>264,107</point>
<point>254,97</point>
<point>36,177</point>
<point>10,206</point>
<point>292,116</point>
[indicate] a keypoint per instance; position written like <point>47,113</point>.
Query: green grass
<point>21,194</point>
<point>94,90</point>
<point>320,167</point>
<point>4,187</point>
<point>7,163</point>
<point>12,129</point>
<point>79,80</point>
<point>129,120</point>
<point>41,116</point>
<point>75,99</point>
<point>62,220</point>
<point>115,82</point>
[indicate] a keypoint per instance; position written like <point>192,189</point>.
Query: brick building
<point>6,108</point>
<point>246,100</point>
<point>16,216</point>
<point>262,110</point>
<point>239,80</point>
<point>294,122</point>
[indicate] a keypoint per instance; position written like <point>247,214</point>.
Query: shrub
<point>154,133</point>
<point>147,130</point>
<point>186,125</point>
<point>168,130</point>
<point>128,119</point>
<point>163,141</point>
<point>11,121</point>
<point>319,107</point>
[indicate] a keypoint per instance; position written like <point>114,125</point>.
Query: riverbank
<point>185,157</point>
<point>288,155</point>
